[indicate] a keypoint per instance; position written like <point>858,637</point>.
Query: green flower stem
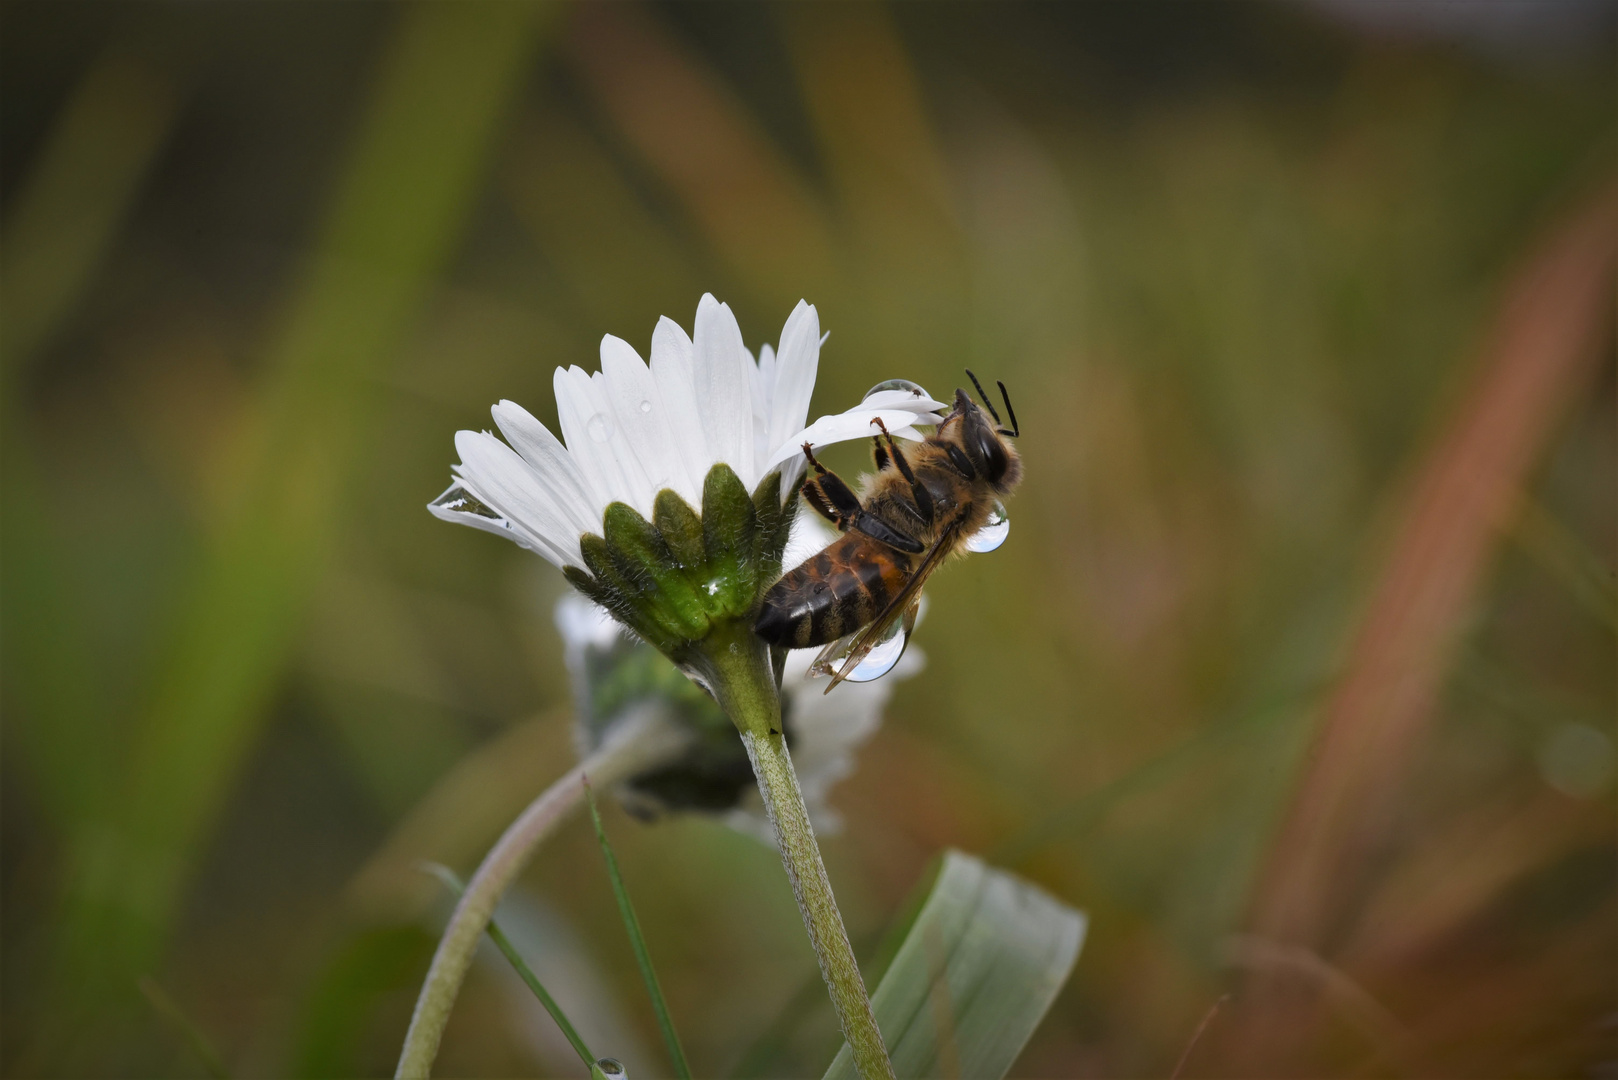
<point>742,680</point>
<point>639,742</point>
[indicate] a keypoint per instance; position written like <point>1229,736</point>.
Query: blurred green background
<point>1248,271</point>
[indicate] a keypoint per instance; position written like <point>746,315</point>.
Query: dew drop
<point>993,533</point>
<point>612,1067</point>
<point>896,384</point>
<point>599,427</point>
<point>886,653</point>
<point>460,501</point>
<point>646,406</point>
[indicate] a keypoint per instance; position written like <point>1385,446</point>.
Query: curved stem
<point>637,742</point>
<point>745,687</point>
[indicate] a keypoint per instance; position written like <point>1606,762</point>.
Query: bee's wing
<point>866,639</point>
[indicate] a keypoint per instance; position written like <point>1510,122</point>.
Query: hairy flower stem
<point>745,686</point>
<point>639,741</point>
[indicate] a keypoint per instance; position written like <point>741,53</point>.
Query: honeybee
<point>919,507</point>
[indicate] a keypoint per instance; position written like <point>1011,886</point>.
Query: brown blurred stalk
<point>700,140</point>
<point>1539,355</point>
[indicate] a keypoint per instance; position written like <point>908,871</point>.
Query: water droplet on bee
<point>896,384</point>
<point>883,655</point>
<point>599,427</point>
<point>993,533</point>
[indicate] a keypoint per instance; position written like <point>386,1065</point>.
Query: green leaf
<point>648,974</point>
<point>979,966</point>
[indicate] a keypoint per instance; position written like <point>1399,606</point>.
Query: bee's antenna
<point>1016,429</point>
<point>989,404</point>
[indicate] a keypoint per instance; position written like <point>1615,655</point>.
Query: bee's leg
<point>821,505</point>
<point>830,497</point>
<point>879,452</point>
<point>918,491</point>
<point>835,501</point>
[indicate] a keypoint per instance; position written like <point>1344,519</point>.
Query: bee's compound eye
<point>896,384</point>
<point>993,458</point>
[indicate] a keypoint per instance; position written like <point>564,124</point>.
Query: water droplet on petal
<point>646,406</point>
<point>883,655</point>
<point>458,500</point>
<point>993,533</point>
<point>896,384</point>
<point>599,427</point>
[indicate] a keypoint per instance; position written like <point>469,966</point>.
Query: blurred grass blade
<point>1006,949</point>
<point>58,227</point>
<point>680,118</point>
<point>654,989</point>
<point>371,967</point>
<point>442,85</point>
<point>169,1010</point>
<point>75,195</point>
<point>503,943</point>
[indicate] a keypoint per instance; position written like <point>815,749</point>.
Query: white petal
<point>633,398</point>
<point>795,368</point>
<point>791,469</point>
<point>444,509</point>
<point>904,399</point>
<point>761,391</point>
<point>588,427</point>
<point>634,487</point>
<point>723,379</point>
<point>857,423</point>
<point>506,484</point>
<point>672,373</point>
<point>554,466</point>
<point>766,370</point>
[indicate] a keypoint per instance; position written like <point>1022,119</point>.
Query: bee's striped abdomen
<point>833,593</point>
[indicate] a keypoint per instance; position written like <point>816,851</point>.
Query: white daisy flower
<point>632,430</point>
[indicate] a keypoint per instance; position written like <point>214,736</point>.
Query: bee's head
<point>985,439</point>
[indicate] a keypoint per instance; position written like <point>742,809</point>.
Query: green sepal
<point>770,536</point>
<point>775,518</point>
<point>681,529</point>
<point>641,555</point>
<point>621,596</point>
<point>728,526</point>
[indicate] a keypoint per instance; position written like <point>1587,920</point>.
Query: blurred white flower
<point>613,673</point>
<point>633,430</point>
